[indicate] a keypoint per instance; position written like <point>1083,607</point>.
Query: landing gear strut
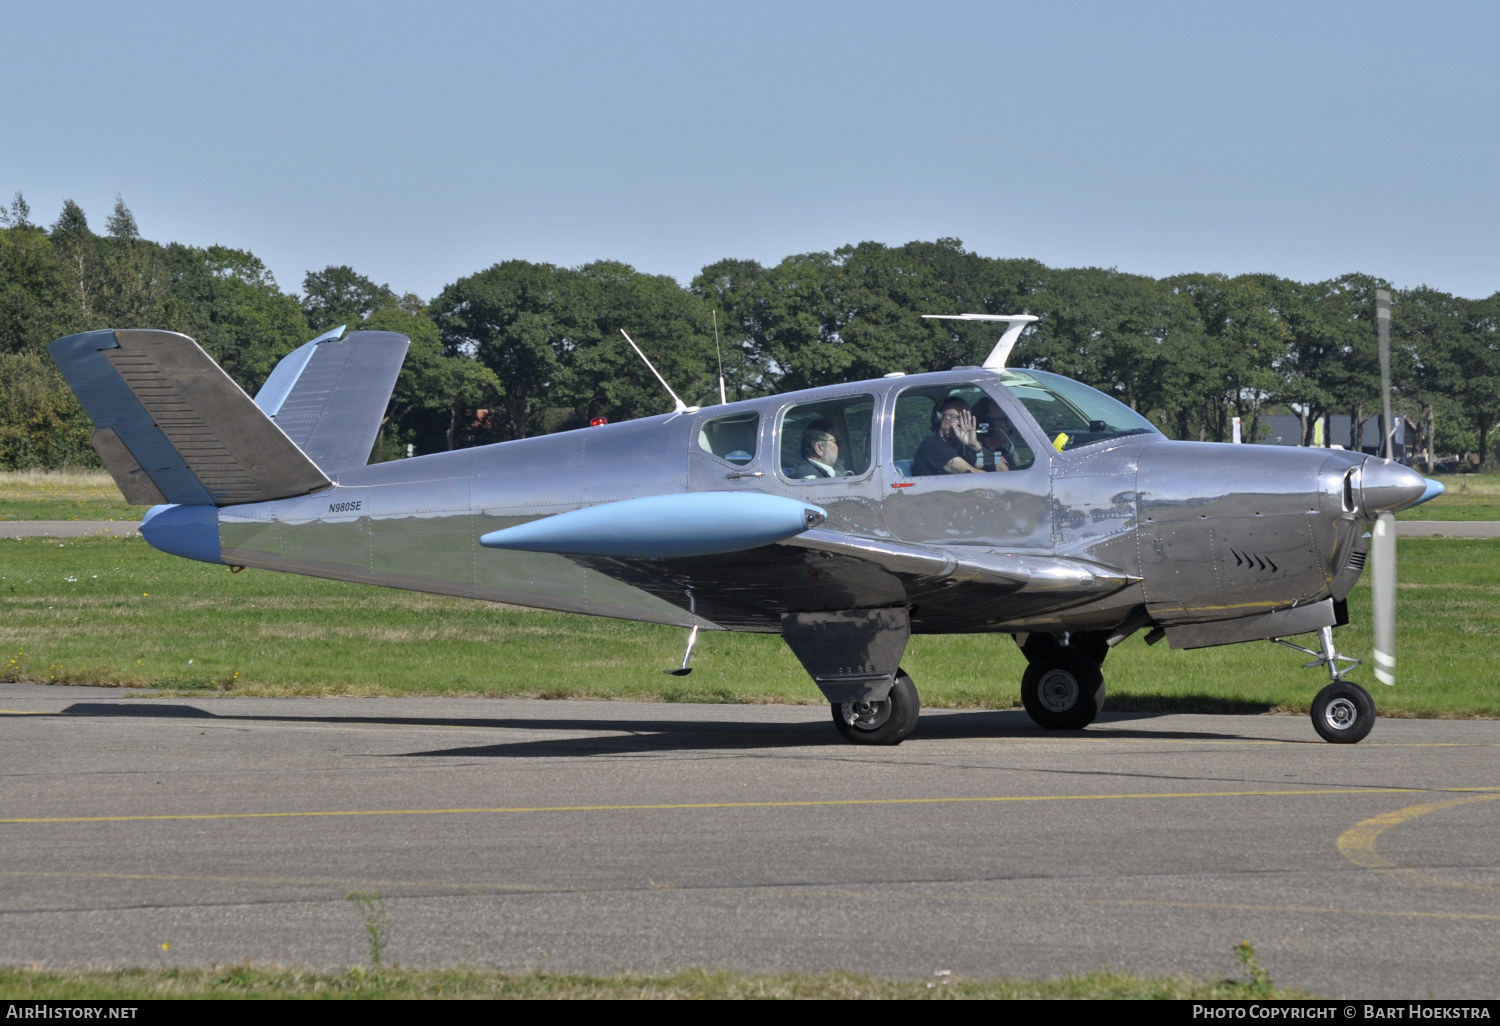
<point>1343,712</point>
<point>1063,688</point>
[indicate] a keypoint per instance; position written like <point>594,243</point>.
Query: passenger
<point>997,452</point>
<point>820,453</point>
<point>953,447</point>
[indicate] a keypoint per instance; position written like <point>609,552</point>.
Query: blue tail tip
<point>188,531</point>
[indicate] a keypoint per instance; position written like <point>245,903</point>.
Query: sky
<point>419,143</point>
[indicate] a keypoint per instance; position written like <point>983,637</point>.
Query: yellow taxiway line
<point>812,803</point>
<point>1357,844</point>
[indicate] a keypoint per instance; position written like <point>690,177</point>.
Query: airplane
<point>817,515</point>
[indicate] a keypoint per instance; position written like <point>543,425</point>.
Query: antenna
<point>723,399</point>
<point>682,407</point>
<point>1015,324</point>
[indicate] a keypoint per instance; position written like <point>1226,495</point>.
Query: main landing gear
<point>886,722</point>
<point>1063,687</point>
<point>1343,713</point>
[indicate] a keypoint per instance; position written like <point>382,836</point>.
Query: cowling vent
<point>1254,562</point>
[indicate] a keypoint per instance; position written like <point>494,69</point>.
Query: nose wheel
<point>1343,713</point>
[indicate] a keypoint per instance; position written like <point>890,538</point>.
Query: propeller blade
<point>1383,538</point>
<point>1383,338</point>
<point>1383,595</point>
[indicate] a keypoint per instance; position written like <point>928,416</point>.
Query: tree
<point>520,320</point>
<point>338,295</point>
<point>227,300</point>
<point>605,377</point>
<point>121,224</point>
<point>41,424</point>
<point>19,214</point>
<point>71,221</point>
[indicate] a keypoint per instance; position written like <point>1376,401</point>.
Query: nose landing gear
<point>1343,713</point>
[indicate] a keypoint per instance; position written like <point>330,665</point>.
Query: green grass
<point>1468,497</point>
<point>116,612</point>
<point>251,981</point>
<point>63,495</point>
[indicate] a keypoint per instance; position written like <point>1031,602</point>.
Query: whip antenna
<point>682,407</point>
<point>723,399</point>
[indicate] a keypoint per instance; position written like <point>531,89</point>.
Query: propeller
<point>1383,536</point>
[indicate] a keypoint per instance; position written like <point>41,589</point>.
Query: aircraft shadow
<point>641,736</point>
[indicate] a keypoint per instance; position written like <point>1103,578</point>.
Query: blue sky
<point>421,142</point>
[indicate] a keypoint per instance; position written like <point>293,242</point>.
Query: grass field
<point>1468,497</point>
<point>249,981</point>
<point>116,612</point>
<point>92,495</point>
<point>63,495</point>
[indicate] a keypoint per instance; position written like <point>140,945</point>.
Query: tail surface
<point>330,395</point>
<point>172,427</point>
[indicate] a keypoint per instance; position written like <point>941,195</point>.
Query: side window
<point>932,433</point>
<point>732,439</point>
<point>827,439</point>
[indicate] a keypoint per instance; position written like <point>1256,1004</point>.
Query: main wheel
<point>1343,713</point>
<point>887,722</point>
<point>1062,690</point>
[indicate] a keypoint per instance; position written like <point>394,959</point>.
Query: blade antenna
<point>682,407</point>
<point>1014,325</point>
<point>723,399</point>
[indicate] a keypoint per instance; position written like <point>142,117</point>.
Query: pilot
<point>953,447</point>
<point>820,453</point>
<point>996,451</point>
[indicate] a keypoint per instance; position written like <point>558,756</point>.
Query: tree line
<point>523,348</point>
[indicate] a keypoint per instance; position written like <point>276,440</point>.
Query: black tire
<point>1343,713</point>
<point>1063,690</point>
<point>887,722</point>
<point>1090,643</point>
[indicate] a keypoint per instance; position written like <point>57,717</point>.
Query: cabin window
<point>732,439</point>
<point>827,439</point>
<point>924,446</point>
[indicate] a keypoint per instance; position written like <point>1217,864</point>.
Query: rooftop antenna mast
<point>682,407</point>
<point>723,399</point>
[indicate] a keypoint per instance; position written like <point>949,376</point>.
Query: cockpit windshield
<point>1070,414</point>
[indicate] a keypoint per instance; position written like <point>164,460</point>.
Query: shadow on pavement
<point>638,734</point>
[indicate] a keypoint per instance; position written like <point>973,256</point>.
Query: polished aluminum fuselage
<point>1195,531</point>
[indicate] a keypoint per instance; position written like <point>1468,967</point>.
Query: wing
<point>948,588</point>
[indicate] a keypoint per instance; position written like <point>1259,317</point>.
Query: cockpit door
<point>825,453</point>
<point>1009,509</point>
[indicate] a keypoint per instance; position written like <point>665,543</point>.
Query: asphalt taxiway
<point>607,836</point>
